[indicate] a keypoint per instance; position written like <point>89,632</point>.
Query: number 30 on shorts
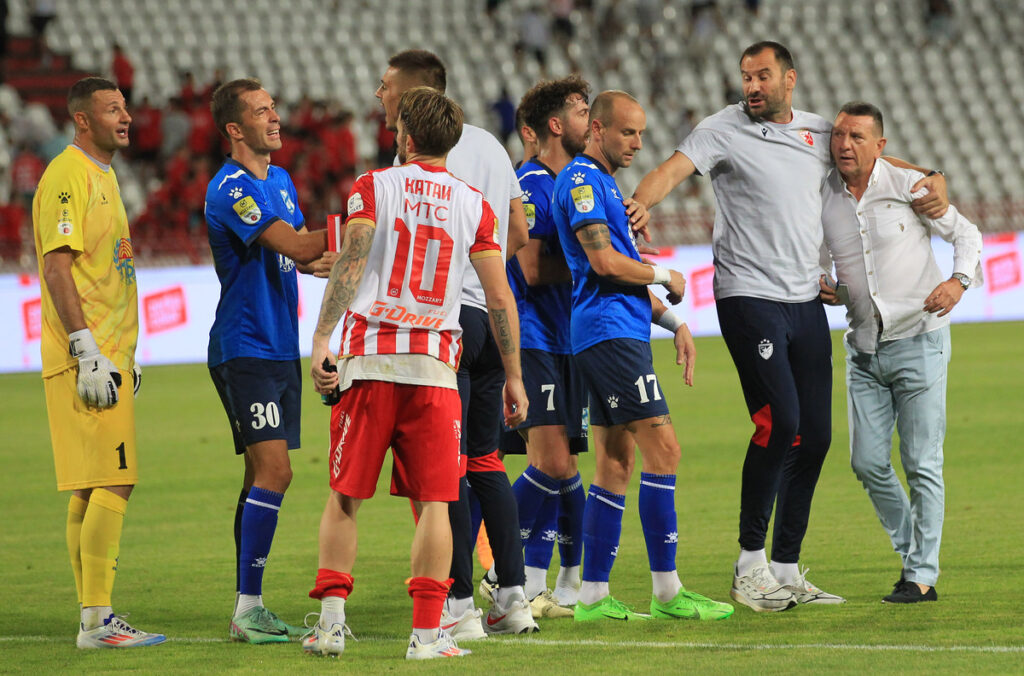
<point>263,415</point>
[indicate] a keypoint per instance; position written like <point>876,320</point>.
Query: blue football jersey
<point>601,309</point>
<point>257,314</point>
<point>544,309</point>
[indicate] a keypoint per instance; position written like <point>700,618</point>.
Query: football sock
<point>100,545</point>
<point>239,508</point>
<point>246,602</point>
<point>538,549</point>
<point>533,489</point>
<point>491,576</point>
<point>76,513</point>
<point>504,595</point>
<point>785,573</point>
<point>592,592</point>
<point>749,560</point>
<point>657,505</point>
<point>428,597</point>
<point>536,581</point>
<point>96,616</point>
<point>572,500</point>
<point>567,585</point>
<point>459,607</point>
<point>332,612</point>
<point>665,584</point>
<point>602,527</point>
<point>259,521</point>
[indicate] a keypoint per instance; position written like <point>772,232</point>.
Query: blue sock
<point>602,526</point>
<point>259,520</point>
<point>531,489</point>
<point>657,504</point>
<point>538,549</point>
<point>570,521</point>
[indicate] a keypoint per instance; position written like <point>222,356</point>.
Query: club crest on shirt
<point>247,210</point>
<point>124,259</point>
<point>765,348</point>
<point>288,203</point>
<point>805,134</point>
<point>235,192</point>
<point>284,263</point>
<point>531,214</point>
<point>583,198</point>
<point>577,178</point>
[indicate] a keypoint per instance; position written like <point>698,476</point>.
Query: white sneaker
<point>805,592</point>
<point>444,646</point>
<point>566,596</point>
<point>116,634</point>
<point>466,627</point>
<point>324,642</point>
<point>761,591</point>
<point>514,618</point>
<point>545,605</point>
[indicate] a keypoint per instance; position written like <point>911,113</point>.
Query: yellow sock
<point>76,512</point>
<point>101,542</point>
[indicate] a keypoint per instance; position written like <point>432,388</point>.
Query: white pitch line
<point>650,644</point>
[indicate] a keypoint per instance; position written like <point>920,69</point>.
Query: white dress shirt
<point>883,254</point>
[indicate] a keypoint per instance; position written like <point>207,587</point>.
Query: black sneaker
<point>909,592</point>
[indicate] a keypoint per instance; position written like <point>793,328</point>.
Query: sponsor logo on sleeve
<point>355,203</point>
<point>583,198</point>
<point>247,210</point>
<point>288,203</point>
<point>64,225</point>
<point>531,214</point>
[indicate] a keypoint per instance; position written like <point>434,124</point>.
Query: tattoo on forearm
<point>595,236</point>
<point>503,331</point>
<point>345,275</point>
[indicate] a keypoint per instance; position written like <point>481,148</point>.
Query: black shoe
<point>899,582</point>
<point>909,592</point>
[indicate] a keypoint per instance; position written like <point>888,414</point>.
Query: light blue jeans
<point>903,387</point>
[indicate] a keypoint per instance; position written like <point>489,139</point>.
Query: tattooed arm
<point>342,285</point>
<point>596,241</point>
<point>501,310</point>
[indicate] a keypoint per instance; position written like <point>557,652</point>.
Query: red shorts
<point>422,425</point>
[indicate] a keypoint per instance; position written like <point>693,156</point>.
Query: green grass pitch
<point>175,572</point>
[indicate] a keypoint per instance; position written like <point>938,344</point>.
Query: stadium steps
<point>37,82</point>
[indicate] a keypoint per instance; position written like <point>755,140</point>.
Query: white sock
<point>504,596</point>
<point>459,607</point>
<point>491,576</point>
<point>425,636</point>
<point>536,581</point>
<point>750,560</point>
<point>568,578</point>
<point>665,585</point>
<point>246,602</point>
<point>786,573</point>
<point>95,616</point>
<point>592,592</point>
<point>332,612</point>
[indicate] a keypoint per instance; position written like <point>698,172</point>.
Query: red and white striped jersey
<point>429,225</point>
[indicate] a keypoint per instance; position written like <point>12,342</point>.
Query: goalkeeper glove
<point>98,378</point>
<point>136,378</point>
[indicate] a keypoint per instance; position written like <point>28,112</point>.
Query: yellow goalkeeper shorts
<point>91,447</point>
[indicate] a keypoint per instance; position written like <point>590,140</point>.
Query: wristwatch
<point>933,172</point>
<point>964,280</point>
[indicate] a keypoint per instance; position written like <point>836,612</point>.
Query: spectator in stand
<point>340,144</point>
<point>147,132</point>
<point>174,127</point>
<point>124,72</point>
<point>43,12</point>
<point>562,28</point>
<point>26,170</point>
<point>505,112</point>
<point>385,139</point>
<point>534,37</point>
<point>189,94</point>
<point>203,138</point>
<point>939,22</point>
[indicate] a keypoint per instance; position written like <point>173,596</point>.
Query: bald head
<point>603,107</point>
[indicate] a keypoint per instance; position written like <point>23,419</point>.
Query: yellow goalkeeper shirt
<point>78,205</point>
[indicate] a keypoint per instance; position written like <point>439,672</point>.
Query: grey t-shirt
<point>767,179</point>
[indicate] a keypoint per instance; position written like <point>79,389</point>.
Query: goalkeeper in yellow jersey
<point>90,325</point>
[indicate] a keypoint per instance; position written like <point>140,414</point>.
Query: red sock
<point>331,583</point>
<point>428,597</point>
